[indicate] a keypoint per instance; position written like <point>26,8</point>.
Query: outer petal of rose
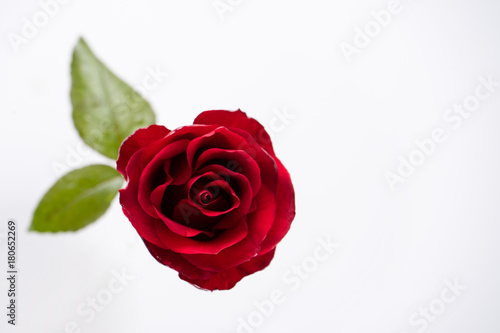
<point>181,133</point>
<point>259,223</point>
<point>143,223</point>
<point>285,211</point>
<point>237,119</point>
<point>177,262</point>
<point>139,139</point>
<point>227,279</point>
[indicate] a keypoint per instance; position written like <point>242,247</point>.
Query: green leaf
<point>105,109</point>
<point>77,199</point>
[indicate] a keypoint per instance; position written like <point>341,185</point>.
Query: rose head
<point>210,200</point>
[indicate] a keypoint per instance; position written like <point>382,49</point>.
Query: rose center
<point>205,197</point>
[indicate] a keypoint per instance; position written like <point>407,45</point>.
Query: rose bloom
<point>210,200</point>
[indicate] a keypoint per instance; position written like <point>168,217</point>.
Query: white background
<point>352,121</point>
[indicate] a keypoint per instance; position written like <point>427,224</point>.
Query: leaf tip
<point>32,227</point>
<point>81,41</point>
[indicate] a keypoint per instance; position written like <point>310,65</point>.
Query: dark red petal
<point>234,160</point>
<point>227,279</point>
<point>141,221</point>
<point>147,176</point>
<point>179,170</point>
<point>177,262</point>
<point>285,211</point>
<point>139,139</point>
<point>156,196</point>
<point>180,229</point>
<point>181,133</point>
<point>265,160</point>
<point>187,213</point>
<point>240,120</point>
<point>179,244</point>
<point>220,137</point>
<point>144,224</point>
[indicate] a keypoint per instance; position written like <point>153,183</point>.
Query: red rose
<point>210,200</point>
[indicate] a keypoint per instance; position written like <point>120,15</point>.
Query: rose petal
<point>179,244</point>
<point>227,279</point>
<point>233,160</point>
<point>144,224</point>
<point>240,120</point>
<point>180,229</point>
<point>156,196</point>
<point>149,173</point>
<point>182,133</point>
<point>177,262</point>
<point>285,211</point>
<point>262,157</point>
<point>218,138</point>
<point>187,213</point>
<point>179,169</point>
<point>139,139</point>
